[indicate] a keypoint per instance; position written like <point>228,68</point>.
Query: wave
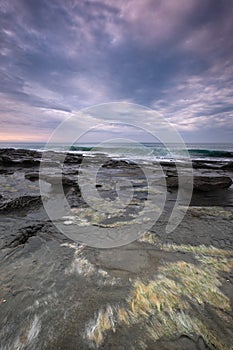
<point>210,153</point>
<point>120,150</point>
<point>155,151</point>
<point>135,151</point>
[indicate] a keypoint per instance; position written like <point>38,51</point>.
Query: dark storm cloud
<point>58,56</point>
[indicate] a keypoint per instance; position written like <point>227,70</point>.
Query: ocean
<point>140,151</point>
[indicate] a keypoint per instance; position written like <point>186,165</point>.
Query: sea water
<point>139,151</point>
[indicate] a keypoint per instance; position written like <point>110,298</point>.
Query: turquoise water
<point>149,151</point>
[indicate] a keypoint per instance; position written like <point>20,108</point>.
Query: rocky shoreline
<point>60,294</point>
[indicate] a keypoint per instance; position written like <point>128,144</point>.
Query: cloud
<point>60,56</point>
<point>199,102</point>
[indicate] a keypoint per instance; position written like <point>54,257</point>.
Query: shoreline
<point>98,298</point>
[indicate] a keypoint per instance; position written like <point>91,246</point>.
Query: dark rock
<point>56,180</point>
<point>6,172</point>
<point>202,344</point>
<point>32,176</point>
<point>55,158</point>
<point>24,235</point>
<point>5,160</point>
<point>182,343</point>
<point>172,181</point>
<point>207,183</point>
<point>171,173</point>
<point>19,203</point>
<point>198,164</point>
<point>227,166</point>
<point>51,163</point>
<point>13,158</point>
<point>52,179</point>
<point>29,158</point>
<point>202,183</point>
<point>169,164</point>
<point>30,162</point>
<point>73,159</point>
<point>75,199</point>
<point>112,163</point>
<point>19,153</point>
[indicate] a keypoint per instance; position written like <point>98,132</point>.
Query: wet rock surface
<point>60,294</point>
<point>201,183</point>
<point>19,203</point>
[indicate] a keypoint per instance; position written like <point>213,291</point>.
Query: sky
<point>60,56</point>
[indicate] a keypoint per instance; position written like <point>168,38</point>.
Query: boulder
<point>208,183</point>
<point>202,183</point>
